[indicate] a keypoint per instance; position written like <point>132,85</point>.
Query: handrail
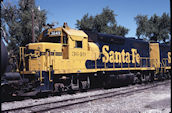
<point>164,60</point>
<point>165,64</point>
<point>147,59</point>
<point>22,57</point>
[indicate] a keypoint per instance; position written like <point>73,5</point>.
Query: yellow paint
<point>154,55</point>
<point>111,57</point>
<point>169,57</point>
<point>50,75</point>
<point>93,52</point>
<point>127,57</point>
<point>135,56</point>
<point>105,48</point>
<point>41,76</point>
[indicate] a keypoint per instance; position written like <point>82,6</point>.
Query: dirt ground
<point>155,100</point>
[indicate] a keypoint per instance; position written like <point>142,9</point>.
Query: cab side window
<point>78,44</point>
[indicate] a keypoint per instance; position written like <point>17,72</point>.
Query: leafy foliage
<point>157,28</point>
<point>142,22</point>
<point>104,22</point>
<point>19,23</point>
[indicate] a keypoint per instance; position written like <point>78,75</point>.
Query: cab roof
<point>73,32</point>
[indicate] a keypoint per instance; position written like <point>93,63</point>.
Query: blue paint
<point>118,43</point>
<point>164,49</point>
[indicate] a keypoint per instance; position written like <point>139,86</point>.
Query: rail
<point>57,103</point>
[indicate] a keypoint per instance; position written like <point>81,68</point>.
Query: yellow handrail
<point>50,75</point>
<point>22,57</point>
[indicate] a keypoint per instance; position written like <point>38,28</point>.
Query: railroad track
<point>43,107</point>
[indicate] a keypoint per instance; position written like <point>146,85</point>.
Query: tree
<point>86,23</point>
<point>141,22</point>
<point>104,22</point>
<point>19,23</point>
<point>157,28</point>
<point>165,27</point>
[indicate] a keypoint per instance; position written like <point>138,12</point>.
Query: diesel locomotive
<point>67,59</point>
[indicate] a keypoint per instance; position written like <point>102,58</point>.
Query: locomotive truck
<point>67,59</point>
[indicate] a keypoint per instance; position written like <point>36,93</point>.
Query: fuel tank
<point>4,58</point>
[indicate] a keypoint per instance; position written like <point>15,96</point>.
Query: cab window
<point>53,39</point>
<point>78,44</point>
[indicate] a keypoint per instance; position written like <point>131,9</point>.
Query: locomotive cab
<point>63,49</point>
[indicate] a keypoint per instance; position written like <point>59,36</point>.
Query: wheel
<point>58,88</point>
<point>139,78</point>
<point>84,85</point>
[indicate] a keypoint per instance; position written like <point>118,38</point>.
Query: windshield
<point>54,39</point>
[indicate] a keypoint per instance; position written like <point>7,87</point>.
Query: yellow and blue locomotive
<point>68,59</point>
